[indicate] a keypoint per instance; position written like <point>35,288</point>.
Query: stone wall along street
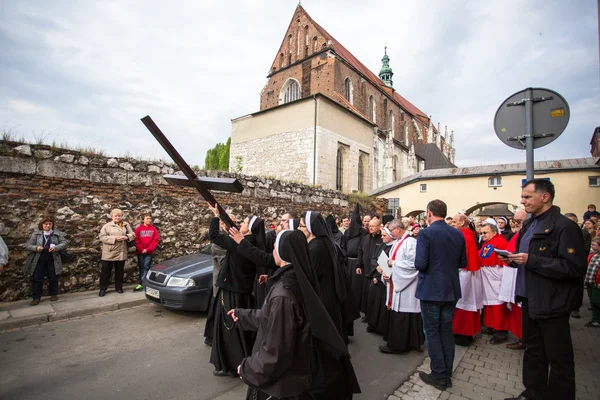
<point>79,190</point>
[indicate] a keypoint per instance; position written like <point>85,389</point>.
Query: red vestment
<point>496,314</point>
<point>467,322</point>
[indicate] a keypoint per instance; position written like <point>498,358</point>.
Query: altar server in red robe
<point>466,321</point>
<point>496,315</point>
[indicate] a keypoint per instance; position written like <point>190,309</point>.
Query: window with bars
<point>339,171</point>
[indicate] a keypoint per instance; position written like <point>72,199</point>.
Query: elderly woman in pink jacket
<point>114,237</point>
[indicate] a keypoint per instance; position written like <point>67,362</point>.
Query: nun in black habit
<point>235,281</point>
<point>338,236</point>
<point>256,226</point>
<point>377,311</point>
<point>298,353</point>
<point>352,239</point>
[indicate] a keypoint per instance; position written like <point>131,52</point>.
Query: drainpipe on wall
<point>315,144</point>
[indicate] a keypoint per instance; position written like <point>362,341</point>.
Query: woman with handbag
<point>45,246</point>
<point>114,237</point>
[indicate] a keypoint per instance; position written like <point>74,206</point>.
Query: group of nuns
<point>286,336</point>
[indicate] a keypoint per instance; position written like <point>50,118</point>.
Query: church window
<point>290,43</point>
<point>348,89</point>
<point>290,91</point>
<point>361,175</point>
<point>315,44</point>
<point>306,41</point>
<point>391,122</point>
<point>281,60</point>
<point>401,116</point>
<point>372,108</point>
<point>339,170</point>
<point>298,43</point>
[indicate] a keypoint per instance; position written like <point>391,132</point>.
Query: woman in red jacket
<point>146,240</point>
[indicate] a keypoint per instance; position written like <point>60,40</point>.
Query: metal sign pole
<point>529,132</point>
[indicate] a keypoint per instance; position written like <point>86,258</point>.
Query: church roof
<point>433,156</point>
<point>341,51</point>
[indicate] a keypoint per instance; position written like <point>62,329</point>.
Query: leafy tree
<point>217,158</point>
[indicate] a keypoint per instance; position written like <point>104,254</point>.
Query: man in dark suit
<point>438,288</point>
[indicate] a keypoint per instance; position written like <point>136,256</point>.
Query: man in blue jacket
<point>441,252</point>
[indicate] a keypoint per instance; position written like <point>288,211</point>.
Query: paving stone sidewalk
<point>19,314</point>
<point>485,371</point>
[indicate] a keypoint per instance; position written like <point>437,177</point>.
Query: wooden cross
<point>202,184</point>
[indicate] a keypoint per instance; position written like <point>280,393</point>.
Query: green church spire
<point>386,72</point>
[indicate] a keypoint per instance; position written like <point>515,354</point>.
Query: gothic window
<point>290,91</point>
<point>339,170</point>
<point>290,43</point>
<point>391,123</point>
<point>394,169</point>
<point>401,116</point>
<point>348,89</point>
<point>361,175</point>
<point>281,60</point>
<point>372,108</point>
<point>315,44</point>
<point>298,43</point>
<point>306,41</point>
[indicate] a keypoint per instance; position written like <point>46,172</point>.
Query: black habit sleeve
<point>256,255</point>
<point>218,238</point>
<point>276,355</point>
<point>248,318</point>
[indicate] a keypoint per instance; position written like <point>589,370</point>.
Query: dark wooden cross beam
<point>203,185</point>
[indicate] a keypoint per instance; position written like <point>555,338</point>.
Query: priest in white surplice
<point>405,327</point>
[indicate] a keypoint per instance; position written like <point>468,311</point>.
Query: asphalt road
<point>148,352</point>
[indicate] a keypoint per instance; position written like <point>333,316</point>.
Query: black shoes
<point>370,329</point>
<point>520,397</point>
<point>497,340</point>
<point>102,293</point>
<point>428,379</point>
<point>487,331</point>
<point>363,320</point>
<point>223,373</point>
<point>387,350</point>
<point>120,291</point>
<point>208,341</point>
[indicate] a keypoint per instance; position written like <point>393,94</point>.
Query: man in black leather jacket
<point>552,262</point>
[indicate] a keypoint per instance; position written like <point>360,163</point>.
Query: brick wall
<point>79,190</point>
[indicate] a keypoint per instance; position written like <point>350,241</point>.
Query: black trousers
<point>106,272</point>
<point>548,363</point>
<point>42,269</point>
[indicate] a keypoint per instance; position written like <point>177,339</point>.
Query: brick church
<point>326,119</point>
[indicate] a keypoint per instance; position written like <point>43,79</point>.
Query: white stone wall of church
<point>327,146</point>
<point>286,156</point>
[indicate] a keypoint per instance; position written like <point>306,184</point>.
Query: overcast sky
<point>85,72</point>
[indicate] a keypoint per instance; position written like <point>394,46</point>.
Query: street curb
<point>16,323</point>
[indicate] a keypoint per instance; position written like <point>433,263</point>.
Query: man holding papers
<point>405,328</point>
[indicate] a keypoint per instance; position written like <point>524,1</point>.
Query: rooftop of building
<point>540,167</point>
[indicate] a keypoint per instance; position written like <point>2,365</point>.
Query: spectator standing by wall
<point>441,253</point>
<point>591,212</point>
<point>146,240</point>
<point>114,237</point>
<point>44,259</point>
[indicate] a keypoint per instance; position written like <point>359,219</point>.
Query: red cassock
<point>466,319</point>
<point>516,315</point>
<point>496,314</point>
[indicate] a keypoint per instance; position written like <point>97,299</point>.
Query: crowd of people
<point>287,301</point>
<point>47,252</point>
<point>437,281</point>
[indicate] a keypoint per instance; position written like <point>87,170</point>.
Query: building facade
<point>370,144</point>
<point>465,190</point>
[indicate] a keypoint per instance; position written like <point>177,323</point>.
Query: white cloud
<point>88,71</point>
